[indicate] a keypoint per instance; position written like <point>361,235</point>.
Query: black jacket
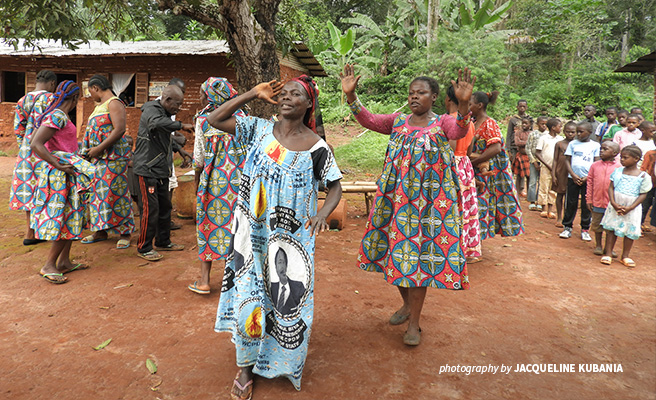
<point>152,154</point>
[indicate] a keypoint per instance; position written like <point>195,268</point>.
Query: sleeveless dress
<point>110,205</point>
<point>498,204</point>
<point>223,159</point>
<point>413,234</point>
<point>59,200</point>
<point>23,184</point>
<point>271,326</point>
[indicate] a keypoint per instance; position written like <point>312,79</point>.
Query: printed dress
<point>110,205</point>
<point>270,320</point>
<point>414,228</point>
<point>627,189</point>
<point>498,205</point>
<point>471,227</point>
<point>222,158</point>
<point>28,109</point>
<point>59,200</point>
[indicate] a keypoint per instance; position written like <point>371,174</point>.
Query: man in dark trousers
<point>152,167</point>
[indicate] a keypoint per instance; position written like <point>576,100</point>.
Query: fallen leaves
<point>103,344</point>
<point>152,367</point>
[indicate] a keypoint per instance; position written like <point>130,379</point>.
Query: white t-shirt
<point>547,144</point>
<point>645,146</point>
<point>583,155</point>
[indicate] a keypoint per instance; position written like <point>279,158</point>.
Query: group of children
<point>607,168</point>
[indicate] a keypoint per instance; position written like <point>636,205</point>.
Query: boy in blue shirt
<point>580,154</point>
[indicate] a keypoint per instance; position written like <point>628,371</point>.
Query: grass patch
<point>364,154</point>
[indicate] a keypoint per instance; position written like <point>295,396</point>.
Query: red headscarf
<point>310,87</point>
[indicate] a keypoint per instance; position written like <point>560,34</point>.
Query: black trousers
<point>155,211</point>
<point>575,191</point>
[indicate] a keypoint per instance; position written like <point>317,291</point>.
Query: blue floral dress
<point>267,298</point>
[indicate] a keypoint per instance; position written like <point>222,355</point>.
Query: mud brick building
<point>138,70</point>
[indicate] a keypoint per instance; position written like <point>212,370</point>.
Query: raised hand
<point>349,80</point>
<point>268,90</point>
<point>464,86</point>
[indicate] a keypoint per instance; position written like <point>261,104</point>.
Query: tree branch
<point>203,12</point>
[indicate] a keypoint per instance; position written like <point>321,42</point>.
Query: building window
<point>124,86</point>
<point>13,86</point>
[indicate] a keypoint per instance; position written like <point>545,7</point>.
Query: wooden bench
<point>366,188</point>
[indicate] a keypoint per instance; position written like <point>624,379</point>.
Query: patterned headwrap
<point>218,91</point>
<point>312,91</point>
<point>65,90</point>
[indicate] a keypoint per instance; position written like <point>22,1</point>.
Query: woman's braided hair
<point>65,90</point>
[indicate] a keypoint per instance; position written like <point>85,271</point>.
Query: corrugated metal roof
<point>51,48</point>
<point>645,64</point>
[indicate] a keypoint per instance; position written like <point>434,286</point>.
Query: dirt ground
<point>536,299</point>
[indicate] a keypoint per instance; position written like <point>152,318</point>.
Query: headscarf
<point>311,89</point>
<point>218,91</point>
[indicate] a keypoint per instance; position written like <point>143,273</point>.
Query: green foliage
<point>364,154</point>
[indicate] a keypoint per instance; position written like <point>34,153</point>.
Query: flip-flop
<point>628,262</point>
<point>606,260</point>
<point>90,239</point>
<point>78,267</point>
<point>54,281</point>
<point>412,340</point>
<point>194,288</point>
<point>246,390</point>
<point>122,244</point>
<point>150,255</point>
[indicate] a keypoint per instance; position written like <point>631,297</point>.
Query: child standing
<point>611,119</point>
<point>520,166</point>
<point>597,189</point>
<point>646,142</point>
<point>580,155</point>
<point>622,115</point>
<point>647,165</point>
<point>628,189</point>
<point>559,171</point>
<point>630,134</point>
<point>534,177</point>
<point>545,153</point>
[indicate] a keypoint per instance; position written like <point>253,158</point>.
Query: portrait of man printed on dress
<point>240,235</point>
<point>287,277</point>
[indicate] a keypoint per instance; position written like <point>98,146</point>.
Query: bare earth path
<point>536,299</point>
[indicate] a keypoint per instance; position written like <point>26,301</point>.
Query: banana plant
<point>343,45</point>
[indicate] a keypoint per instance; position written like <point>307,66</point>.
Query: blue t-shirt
<point>583,155</point>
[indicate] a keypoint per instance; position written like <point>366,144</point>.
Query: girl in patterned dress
<point>267,298</point>
<point>498,204</point>
<point>471,228</point>
<point>28,109</point>
<point>218,160</point>
<point>628,189</point>
<point>104,145</point>
<point>413,235</point>
<point>59,210</point>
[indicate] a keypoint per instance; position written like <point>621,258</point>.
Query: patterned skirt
<point>25,179</point>
<point>521,166</point>
<point>471,228</point>
<point>110,206</point>
<point>59,202</point>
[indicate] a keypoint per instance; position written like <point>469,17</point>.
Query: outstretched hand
<point>268,90</point>
<point>317,224</point>
<point>464,85</point>
<point>349,80</point>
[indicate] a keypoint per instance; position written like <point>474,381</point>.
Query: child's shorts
<point>595,225</point>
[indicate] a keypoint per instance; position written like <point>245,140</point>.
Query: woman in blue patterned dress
<point>413,235</point>
<point>23,184</point>
<point>104,145</point>
<point>58,214</point>
<point>267,298</point>
<point>218,160</point>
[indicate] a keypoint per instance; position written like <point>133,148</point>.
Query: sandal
<point>606,260</point>
<point>123,244</point>
<point>598,251</point>
<point>246,390</point>
<point>559,225</point>
<point>171,247</point>
<point>90,239</point>
<point>151,255</point>
<point>552,216</point>
<point>628,262</point>
<point>398,319</point>
<point>412,340</point>
<point>54,277</point>
<point>544,214</point>
<point>194,288</point>
<point>77,267</point>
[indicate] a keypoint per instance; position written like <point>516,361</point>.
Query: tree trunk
<point>433,20</point>
<point>625,36</point>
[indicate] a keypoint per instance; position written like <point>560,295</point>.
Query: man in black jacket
<point>152,167</point>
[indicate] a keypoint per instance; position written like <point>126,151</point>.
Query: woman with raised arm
<point>267,298</point>
<point>414,228</point>
<point>498,204</point>
<point>106,146</point>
